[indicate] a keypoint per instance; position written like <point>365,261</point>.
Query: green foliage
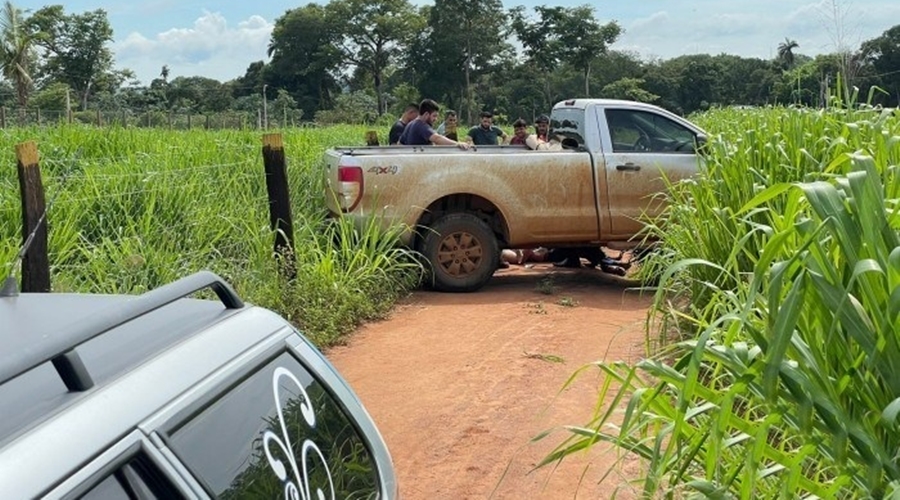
<point>630,89</point>
<point>17,51</point>
<point>354,107</point>
<point>76,45</point>
<point>134,209</point>
<point>373,34</point>
<point>776,309</point>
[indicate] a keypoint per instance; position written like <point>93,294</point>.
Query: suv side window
<point>138,478</point>
<point>277,432</point>
<point>636,131</point>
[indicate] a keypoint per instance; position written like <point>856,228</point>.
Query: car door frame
<point>117,455</point>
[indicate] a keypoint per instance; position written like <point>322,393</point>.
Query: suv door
<point>641,150</point>
<point>278,431</point>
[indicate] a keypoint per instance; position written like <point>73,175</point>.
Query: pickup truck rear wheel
<point>461,251</point>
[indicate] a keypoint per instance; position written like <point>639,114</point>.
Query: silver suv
<point>163,396</point>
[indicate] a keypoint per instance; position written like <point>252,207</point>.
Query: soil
<point>460,384</point>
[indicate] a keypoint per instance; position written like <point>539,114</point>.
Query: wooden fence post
<point>36,262</point>
<point>190,122</point>
<point>99,119</point>
<point>3,117</point>
<point>280,218</point>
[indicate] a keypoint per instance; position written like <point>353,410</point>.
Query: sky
<point>221,39</point>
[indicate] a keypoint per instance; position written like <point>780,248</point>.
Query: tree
<point>76,45</point>
<point>305,59</point>
<point>373,33</point>
<point>467,38</point>
<point>583,39</point>
<point>561,34</point>
<point>17,51</point>
<point>786,52</point>
<point>883,55</point>
<point>542,47</point>
<point>198,93</point>
<point>628,88</point>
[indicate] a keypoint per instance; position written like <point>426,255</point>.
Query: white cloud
<point>755,30</point>
<point>209,48</point>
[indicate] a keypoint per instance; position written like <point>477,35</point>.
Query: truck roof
<point>586,103</point>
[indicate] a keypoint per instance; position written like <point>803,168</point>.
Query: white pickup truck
<point>461,208</point>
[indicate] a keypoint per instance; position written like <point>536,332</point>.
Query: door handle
<point>628,166</point>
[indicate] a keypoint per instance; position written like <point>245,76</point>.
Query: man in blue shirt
<point>409,114</point>
<point>419,132</point>
<point>487,133</point>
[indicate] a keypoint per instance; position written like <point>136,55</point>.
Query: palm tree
<point>17,51</point>
<point>786,52</point>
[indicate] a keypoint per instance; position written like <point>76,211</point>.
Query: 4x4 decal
<point>296,487</point>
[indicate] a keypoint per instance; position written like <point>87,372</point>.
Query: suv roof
<point>79,372</point>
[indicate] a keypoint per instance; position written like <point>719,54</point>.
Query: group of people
<point>415,127</point>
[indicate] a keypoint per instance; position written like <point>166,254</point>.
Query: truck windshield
<point>569,123</point>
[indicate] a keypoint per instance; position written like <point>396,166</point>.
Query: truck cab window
<point>634,131</point>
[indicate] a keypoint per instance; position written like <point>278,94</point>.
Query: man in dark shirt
<point>419,132</point>
<point>487,133</point>
<point>409,114</point>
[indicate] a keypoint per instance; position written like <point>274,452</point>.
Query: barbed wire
<point>83,176</point>
<point>167,189</point>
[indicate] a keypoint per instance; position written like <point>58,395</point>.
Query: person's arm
<point>504,138</point>
<point>443,141</point>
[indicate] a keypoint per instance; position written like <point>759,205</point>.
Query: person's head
<point>410,112</point>
<point>520,128</point>
<point>428,111</point>
<point>450,118</point>
<point>487,119</point>
<point>542,125</point>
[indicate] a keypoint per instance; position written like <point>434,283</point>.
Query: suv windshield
<point>278,431</point>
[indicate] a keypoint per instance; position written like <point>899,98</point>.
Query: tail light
<point>351,187</point>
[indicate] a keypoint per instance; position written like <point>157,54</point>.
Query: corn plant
<point>778,275</point>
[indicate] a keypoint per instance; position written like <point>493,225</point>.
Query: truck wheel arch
<point>481,207</point>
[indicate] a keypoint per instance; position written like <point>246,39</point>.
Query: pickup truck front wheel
<point>461,251</point>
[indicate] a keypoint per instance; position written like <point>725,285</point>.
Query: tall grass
<point>134,208</point>
<point>780,299</point>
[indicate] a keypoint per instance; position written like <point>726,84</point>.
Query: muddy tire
<point>461,253</point>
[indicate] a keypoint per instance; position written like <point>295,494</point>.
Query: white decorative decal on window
<point>297,487</point>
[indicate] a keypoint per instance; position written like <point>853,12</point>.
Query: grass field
<point>133,209</point>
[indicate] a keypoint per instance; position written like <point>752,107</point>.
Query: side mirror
<point>700,145</point>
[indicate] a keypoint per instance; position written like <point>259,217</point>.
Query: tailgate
<point>343,182</point>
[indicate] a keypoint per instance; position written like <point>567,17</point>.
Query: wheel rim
<point>460,254</point>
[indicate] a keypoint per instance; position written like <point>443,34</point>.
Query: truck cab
<point>636,149</point>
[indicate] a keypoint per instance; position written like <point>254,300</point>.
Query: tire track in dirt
<point>459,384</point>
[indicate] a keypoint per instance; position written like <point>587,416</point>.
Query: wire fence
<point>178,120</point>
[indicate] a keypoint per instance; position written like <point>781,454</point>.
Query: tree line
<point>358,60</point>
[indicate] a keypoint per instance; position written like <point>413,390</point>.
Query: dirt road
<point>459,384</point>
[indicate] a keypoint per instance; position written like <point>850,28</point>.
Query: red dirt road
<point>459,384</point>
